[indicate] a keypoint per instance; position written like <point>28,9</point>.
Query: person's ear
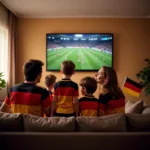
<point>39,77</point>
<point>84,89</point>
<point>73,72</point>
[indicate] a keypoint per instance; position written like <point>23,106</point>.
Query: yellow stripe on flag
<point>134,93</point>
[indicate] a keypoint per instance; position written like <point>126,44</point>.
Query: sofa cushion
<point>11,122</point>
<point>52,124</point>
<point>109,123</point>
<point>138,122</point>
<point>134,108</point>
<point>146,110</point>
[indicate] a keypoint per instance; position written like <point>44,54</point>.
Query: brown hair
<point>68,67</point>
<point>89,83</point>
<point>49,80</point>
<point>112,81</point>
<point>32,69</point>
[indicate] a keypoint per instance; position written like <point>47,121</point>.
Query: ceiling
<point>79,8</point>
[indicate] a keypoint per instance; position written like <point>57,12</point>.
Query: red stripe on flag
<point>132,87</point>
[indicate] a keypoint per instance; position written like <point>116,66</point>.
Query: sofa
<point>113,132</point>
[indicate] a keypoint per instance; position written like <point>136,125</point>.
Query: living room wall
<point>131,44</point>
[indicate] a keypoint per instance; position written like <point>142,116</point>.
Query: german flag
<point>132,87</point>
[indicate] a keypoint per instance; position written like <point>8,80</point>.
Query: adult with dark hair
<point>112,99</point>
<point>27,97</point>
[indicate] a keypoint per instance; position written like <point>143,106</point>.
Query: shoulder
<point>58,84</point>
<point>81,99</point>
<point>16,87</point>
<point>88,99</point>
<point>41,88</point>
<point>74,83</point>
<point>104,98</point>
<point>96,99</point>
<point>108,94</point>
<point>66,83</point>
<point>43,91</point>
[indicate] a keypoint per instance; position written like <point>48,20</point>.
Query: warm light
<point>4,46</point>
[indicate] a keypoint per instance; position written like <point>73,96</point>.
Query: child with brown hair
<point>65,92</point>
<point>88,104</point>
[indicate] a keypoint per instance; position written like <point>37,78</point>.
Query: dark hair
<point>68,67</point>
<point>49,80</point>
<point>89,83</point>
<point>32,69</point>
<point>112,81</point>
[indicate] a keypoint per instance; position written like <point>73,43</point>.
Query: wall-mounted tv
<point>89,51</point>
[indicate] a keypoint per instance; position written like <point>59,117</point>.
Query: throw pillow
<point>134,108</point>
<point>146,110</point>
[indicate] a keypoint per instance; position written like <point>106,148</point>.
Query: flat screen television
<point>89,51</point>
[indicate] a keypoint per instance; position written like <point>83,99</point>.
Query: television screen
<point>89,52</point>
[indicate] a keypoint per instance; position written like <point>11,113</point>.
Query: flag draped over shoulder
<point>132,87</point>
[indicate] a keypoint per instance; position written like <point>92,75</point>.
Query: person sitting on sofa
<point>88,104</point>
<point>27,97</point>
<point>65,92</point>
<point>112,99</point>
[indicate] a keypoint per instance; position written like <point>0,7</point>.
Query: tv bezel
<point>94,70</point>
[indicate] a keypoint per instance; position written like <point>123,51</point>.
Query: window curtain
<point>8,23</point>
<point>12,22</point>
<point>3,46</point>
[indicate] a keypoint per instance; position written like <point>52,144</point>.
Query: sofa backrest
<point>111,123</point>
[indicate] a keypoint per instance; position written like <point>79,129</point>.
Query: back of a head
<point>32,69</point>
<point>68,67</point>
<point>49,80</point>
<point>89,83</point>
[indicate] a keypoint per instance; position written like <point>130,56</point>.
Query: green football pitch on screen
<point>84,58</point>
